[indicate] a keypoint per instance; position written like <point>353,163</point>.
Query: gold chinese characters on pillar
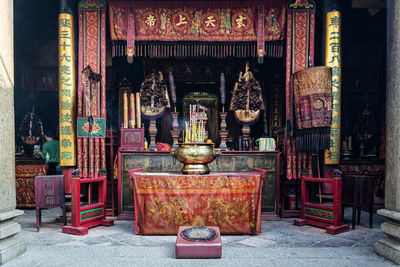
<point>67,89</point>
<point>333,59</point>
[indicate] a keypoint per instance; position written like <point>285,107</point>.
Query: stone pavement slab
<point>280,244</point>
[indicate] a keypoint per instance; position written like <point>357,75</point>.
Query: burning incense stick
<point>172,88</point>
<point>222,91</point>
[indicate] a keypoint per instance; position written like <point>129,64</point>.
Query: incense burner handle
<point>217,153</point>
<point>173,153</point>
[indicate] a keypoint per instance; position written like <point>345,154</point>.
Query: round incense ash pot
<point>195,157</point>
<point>199,234</point>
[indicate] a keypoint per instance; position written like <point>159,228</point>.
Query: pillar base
<point>10,247</point>
<point>390,247</point>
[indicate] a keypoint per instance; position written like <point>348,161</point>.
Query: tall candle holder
<point>223,133</point>
<point>245,133</point>
<point>153,133</point>
<point>175,128</point>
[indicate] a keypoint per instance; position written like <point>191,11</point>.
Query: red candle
<point>125,110</point>
<point>138,111</point>
<point>132,120</point>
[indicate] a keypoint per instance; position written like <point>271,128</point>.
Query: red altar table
<point>165,201</point>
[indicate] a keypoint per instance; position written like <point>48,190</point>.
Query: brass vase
<point>195,157</point>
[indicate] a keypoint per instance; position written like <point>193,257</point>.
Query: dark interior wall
<point>363,65</point>
<point>36,60</point>
<point>35,46</point>
<point>364,74</point>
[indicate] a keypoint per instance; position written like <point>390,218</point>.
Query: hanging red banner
<point>195,24</point>
<point>92,52</point>
<point>299,55</point>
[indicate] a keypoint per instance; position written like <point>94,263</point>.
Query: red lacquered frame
<point>84,217</point>
<point>319,215</point>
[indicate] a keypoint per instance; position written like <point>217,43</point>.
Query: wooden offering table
<point>165,201</point>
<point>229,161</point>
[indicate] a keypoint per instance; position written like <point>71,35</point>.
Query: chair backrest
<point>49,191</point>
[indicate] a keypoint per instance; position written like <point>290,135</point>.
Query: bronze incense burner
<point>195,157</point>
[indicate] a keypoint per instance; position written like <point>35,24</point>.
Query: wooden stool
<point>362,191</point>
<point>49,192</point>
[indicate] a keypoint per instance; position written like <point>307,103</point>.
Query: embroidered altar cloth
<point>165,201</point>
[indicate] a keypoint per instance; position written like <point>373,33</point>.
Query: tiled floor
<point>274,233</point>
<point>281,239</point>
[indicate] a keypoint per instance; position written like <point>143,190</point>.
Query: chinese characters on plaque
<point>333,60</point>
<point>67,89</point>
